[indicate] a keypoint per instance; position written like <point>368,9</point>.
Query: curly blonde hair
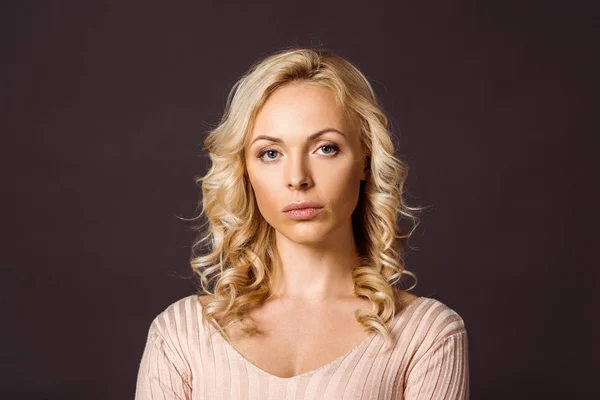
<point>236,253</point>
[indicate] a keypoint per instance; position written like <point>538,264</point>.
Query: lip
<point>303,213</point>
<point>302,205</point>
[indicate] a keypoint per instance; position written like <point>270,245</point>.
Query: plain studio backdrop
<point>104,110</point>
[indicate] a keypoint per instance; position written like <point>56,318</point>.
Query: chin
<point>305,233</point>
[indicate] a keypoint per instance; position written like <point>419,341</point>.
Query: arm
<point>442,372</point>
<point>161,374</point>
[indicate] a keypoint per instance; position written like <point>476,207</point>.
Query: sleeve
<point>161,373</point>
<point>442,372</point>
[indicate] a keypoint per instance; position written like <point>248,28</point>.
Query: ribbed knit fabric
<point>428,361</point>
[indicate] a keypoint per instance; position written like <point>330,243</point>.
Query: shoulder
<point>177,319</point>
<point>436,349</point>
<point>204,299</point>
<point>440,319</point>
<point>427,317</point>
<point>431,322</point>
<point>168,346</point>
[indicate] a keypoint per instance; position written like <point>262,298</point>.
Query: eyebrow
<point>311,137</point>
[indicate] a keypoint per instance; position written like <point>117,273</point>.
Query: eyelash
<point>265,151</point>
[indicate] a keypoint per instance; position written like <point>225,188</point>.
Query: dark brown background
<point>104,110</point>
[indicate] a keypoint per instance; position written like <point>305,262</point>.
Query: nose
<point>298,173</point>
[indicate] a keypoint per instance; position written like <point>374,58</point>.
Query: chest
<point>291,344</point>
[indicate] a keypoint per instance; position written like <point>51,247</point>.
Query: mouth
<point>303,213</point>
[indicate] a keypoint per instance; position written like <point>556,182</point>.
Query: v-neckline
<point>342,357</point>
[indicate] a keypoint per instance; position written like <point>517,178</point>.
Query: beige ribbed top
<point>428,361</point>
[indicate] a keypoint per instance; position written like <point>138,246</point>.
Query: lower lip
<point>303,213</point>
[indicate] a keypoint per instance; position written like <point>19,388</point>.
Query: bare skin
<point>303,338</point>
<point>318,254</point>
<point>310,321</point>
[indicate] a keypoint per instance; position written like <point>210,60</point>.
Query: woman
<point>302,201</point>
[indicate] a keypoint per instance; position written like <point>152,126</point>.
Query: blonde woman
<point>300,255</point>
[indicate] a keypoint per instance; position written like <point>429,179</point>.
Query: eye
<point>331,150</point>
<point>262,153</point>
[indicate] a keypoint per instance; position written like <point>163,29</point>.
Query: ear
<point>366,168</point>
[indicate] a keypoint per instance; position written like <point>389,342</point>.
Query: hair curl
<point>236,253</point>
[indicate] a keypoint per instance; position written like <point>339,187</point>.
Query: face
<point>303,148</point>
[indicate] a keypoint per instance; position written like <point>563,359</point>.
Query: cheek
<point>264,193</point>
<point>342,191</point>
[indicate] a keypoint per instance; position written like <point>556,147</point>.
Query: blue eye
<point>329,146</point>
<point>334,150</point>
<point>262,153</point>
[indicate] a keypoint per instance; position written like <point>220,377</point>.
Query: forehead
<point>299,108</point>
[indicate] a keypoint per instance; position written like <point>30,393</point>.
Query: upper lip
<point>302,204</point>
